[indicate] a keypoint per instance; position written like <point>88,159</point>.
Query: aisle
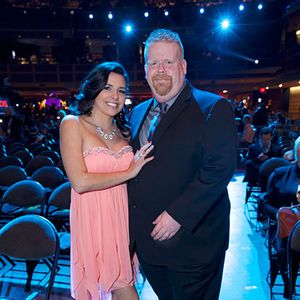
<point>246,263</point>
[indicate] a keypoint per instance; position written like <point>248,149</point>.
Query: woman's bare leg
<point>126,293</point>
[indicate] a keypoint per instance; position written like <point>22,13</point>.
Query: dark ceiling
<point>254,33</point>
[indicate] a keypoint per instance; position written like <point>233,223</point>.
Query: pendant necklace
<point>106,135</point>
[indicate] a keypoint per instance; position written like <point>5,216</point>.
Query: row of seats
<point>29,196</point>
<point>34,208</point>
<point>49,177</point>
<point>27,199</point>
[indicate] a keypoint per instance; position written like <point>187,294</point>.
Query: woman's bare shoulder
<point>70,119</point>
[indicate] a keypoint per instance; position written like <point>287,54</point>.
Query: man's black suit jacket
<point>256,149</point>
<point>194,160</point>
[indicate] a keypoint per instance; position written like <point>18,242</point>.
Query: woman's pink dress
<point>100,260</point>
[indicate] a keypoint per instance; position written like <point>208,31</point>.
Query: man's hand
<point>262,157</point>
<point>165,227</point>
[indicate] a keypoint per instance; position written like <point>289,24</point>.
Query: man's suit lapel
<point>176,109</point>
<point>137,121</point>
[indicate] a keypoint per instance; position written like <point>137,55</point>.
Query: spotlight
<point>166,13</point>
<point>201,10</point>
<point>146,14</point>
<point>280,85</point>
<point>72,12</point>
<point>25,12</point>
<point>91,16</point>
<point>256,61</point>
<point>241,7</point>
<point>225,24</point>
<point>128,28</point>
<point>260,6</point>
<point>110,15</point>
<point>128,101</point>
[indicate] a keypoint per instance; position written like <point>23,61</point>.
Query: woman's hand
<point>140,159</point>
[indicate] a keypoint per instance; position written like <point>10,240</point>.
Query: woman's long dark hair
<point>90,88</point>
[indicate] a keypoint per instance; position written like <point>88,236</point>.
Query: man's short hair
<point>296,147</point>
<point>162,34</point>
<point>265,130</point>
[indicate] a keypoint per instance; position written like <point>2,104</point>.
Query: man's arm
<point>268,206</point>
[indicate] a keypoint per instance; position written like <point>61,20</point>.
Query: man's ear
<point>184,66</point>
<point>145,69</point>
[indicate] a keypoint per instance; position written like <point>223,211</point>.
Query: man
<point>258,153</point>
<point>179,205</point>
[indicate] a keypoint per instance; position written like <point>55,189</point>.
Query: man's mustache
<point>162,77</point>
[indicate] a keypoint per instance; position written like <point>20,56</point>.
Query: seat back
<point>36,151</point>
<point>11,174</point>
<point>294,238</point>
<point>34,145</point>
<point>28,237</point>
<point>293,245</point>
<point>23,194</point>
<point>58,210</point>
<point>268,167</point>
<point>31,237</point>
<point>61,196</point>
<point>17,149</point>
<point>60,165</point>
<point>38,162</point>
<point>52,154</point>
<point>25,156</point>
<point>49,176</point>
<point>10,161</point>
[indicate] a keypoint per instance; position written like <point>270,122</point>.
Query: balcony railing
<point>73,73</point>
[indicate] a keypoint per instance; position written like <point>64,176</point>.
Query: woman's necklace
<point>106,135</point>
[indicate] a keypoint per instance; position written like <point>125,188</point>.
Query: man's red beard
<point>162,84</point>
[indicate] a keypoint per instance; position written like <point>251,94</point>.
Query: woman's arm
<point>71,146</point>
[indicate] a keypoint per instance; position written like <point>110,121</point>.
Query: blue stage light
<point>260,6</point>
<point>241,7</point>
<point>146,14</point>
<point>128,28</point>
<point>110,15</point>
<point>201,10</point>
<point>225,24</point>
<point>91,16</point>
<point>166,13</point>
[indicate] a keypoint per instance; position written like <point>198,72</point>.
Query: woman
<point>282,192</point>
<point>248,133</point>
<point>98,161</point>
